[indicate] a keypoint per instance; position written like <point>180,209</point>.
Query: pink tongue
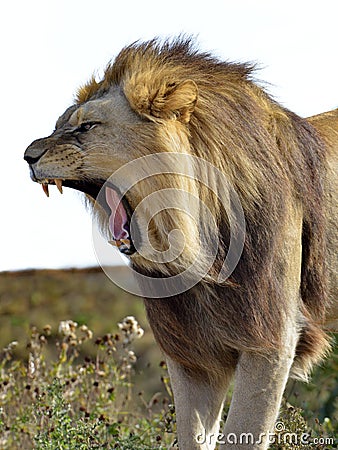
<point>118,218</point>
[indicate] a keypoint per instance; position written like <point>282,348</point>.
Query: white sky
<point>51,47</point>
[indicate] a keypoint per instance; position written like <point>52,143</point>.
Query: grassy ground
<point>86,296</point>
<point>77,380</point>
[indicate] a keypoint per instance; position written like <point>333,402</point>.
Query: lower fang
<point>123,244</point>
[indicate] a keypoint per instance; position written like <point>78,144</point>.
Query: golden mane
<point>174,60</point>
<point>269,155</point>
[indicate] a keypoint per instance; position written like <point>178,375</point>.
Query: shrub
<point>80,401</point>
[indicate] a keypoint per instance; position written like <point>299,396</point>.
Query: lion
<point>268,319</point>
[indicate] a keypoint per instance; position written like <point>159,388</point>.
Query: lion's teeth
<point>45,189</point>
<point>126,242</point>
<point>58,183</point>
<point>119,243</point>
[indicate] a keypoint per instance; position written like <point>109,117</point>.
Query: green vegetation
<point>64,386</point>
<point>68,404</point>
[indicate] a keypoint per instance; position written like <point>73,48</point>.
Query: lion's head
<point>170,99</point>
<point>151,100</point>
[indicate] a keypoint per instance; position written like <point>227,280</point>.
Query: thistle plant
<point>77,401</point>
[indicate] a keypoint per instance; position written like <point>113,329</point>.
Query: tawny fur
<point>273,158</point>
<point>170,98</point>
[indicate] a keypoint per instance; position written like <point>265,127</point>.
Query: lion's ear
<point>170,101</point>
<point>177,101</point>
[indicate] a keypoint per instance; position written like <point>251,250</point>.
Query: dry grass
<point>64,386</point>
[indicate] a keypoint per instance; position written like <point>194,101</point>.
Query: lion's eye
<point>86,126</point>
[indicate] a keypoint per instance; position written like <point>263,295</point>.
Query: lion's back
<point>327,126</point>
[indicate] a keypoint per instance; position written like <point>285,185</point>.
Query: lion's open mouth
<point>110,199</point>
<point>120,214</point>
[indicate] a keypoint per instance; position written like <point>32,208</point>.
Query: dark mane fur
<point>272,157</point>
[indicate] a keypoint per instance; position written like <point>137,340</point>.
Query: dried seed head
<point>47,329</point>
<point>130,329</point>
<point>67,328</point>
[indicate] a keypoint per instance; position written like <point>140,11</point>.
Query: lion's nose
<point>31,159</point>
<point>35,151</point>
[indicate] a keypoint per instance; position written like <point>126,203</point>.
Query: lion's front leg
<point>198,408</point>
<point>259,386</point>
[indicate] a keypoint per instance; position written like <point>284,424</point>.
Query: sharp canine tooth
<point>126,242</point>
<point>45,189</point>
<point>120,243</point>
<point>58,183</point>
